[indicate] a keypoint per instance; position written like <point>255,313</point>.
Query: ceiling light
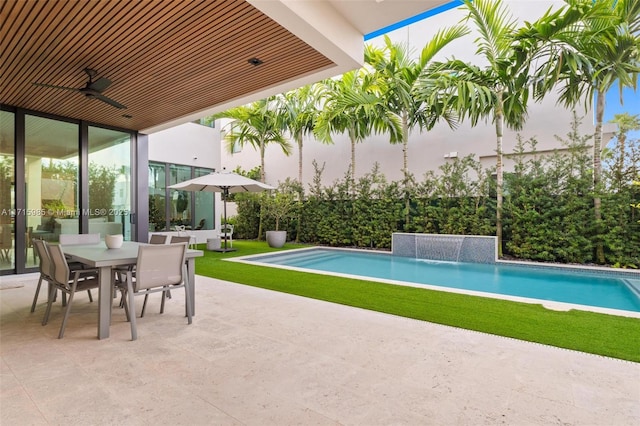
<point>254,61</point>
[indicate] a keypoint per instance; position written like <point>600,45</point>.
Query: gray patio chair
<point>46,271</point>
<point>180,239</point>
<point>183,232</point>
<point>6,243</point>
<point>68,282</point>
<point>167,294</point>
<point>157,239</point>
<point>153,239</point>
<point>45,266</point>
<point>158,268</point>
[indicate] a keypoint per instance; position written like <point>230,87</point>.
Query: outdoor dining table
<point>105,259</point>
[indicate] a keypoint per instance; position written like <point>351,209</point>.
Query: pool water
<point>546,284</point>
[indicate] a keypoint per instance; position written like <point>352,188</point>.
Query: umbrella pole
<point>225,194</point>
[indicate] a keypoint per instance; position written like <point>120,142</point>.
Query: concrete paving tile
<point>256,357</point>
<point>19,409</point>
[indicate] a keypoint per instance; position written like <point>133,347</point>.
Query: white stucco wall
<point>189,144</point>
<point>427,150</point>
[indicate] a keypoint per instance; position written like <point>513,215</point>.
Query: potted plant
<point>278,206</point>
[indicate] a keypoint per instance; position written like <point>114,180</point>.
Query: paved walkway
<point>257,357</point>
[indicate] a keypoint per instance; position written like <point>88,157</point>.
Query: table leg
<point>105,301</point>
<point>191,276</point>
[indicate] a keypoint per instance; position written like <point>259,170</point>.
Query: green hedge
<point>547,214</point>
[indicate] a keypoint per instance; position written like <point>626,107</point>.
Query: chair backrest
<point>179,239</point>
<point>46,267</point>
<point>76,239</point>
<point>226,229</point>
<point>60,266</point>
<point>29,236</point>
<point>5,236</point>
<point>201,224</point>
<point>157,239</point>
<point>160,265</point>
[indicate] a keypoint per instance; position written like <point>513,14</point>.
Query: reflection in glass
<point>157,217</point>
<point>180,200</point>
<point>7,189</point>
<point>180,204</point>
<point>204,212</point>
<point>51,175</point>
<point>109,182</point>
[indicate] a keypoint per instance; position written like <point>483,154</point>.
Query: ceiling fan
<point>93,89</point>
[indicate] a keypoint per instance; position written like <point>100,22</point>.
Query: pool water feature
<point>600,289</point>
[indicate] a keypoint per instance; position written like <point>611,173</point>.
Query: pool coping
<point>547,304</point>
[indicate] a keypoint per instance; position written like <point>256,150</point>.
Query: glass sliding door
<point>109,204</point>
<point>62,176</point>
<point>52,179</point>
<point>7,190</point>
<point>169,208</point>
<point>204,211</point>
<point>180,207</point>
<point>157,197</point>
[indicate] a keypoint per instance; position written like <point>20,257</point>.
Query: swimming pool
<point>600,289</point>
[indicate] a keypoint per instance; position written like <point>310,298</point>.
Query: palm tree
<point>353,105</point>
<point>498,90</point>
<point>626,123</point>
<point>257,124</point>
<point>587,49</point>
<point>399,73</point>
<point>299,109</point>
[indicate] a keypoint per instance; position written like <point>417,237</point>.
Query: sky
<point>631,105</point>
<point>631,98</point>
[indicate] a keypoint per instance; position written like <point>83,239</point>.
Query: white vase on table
<point>114,241</point>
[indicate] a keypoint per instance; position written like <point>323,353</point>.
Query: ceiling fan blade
<point>109,101</point>
<point>57,87</point>
<point>100,84</point>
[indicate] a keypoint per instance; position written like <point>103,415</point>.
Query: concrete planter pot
<point>276,239</point>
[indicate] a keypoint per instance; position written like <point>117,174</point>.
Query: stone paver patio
<point>257,357</point>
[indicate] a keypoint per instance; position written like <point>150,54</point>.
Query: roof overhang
<point>175,61</point>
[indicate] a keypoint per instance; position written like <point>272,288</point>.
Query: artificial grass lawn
<point>601,334</point>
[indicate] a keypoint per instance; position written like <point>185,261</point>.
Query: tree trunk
<point>405,143</point>
<point>262,179</point>
<point>619,171</point>
<point>262,173</point>
<point>299,227</point>
<point>300,159</point>
<point>499,121</point>
<point>405,167</point>
<point>353,160</point>
<point>597,174</point>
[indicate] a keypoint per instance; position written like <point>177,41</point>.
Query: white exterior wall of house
<point>190,144</point>
<point>427,150</point>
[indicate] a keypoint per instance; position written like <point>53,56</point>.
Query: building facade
<point>428,150</point>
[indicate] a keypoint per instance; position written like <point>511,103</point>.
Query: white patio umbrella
<point>224,182</point>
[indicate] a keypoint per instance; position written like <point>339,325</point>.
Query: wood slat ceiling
<point>165,58</point>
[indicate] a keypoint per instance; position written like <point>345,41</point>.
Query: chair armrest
<point>83,273</point>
